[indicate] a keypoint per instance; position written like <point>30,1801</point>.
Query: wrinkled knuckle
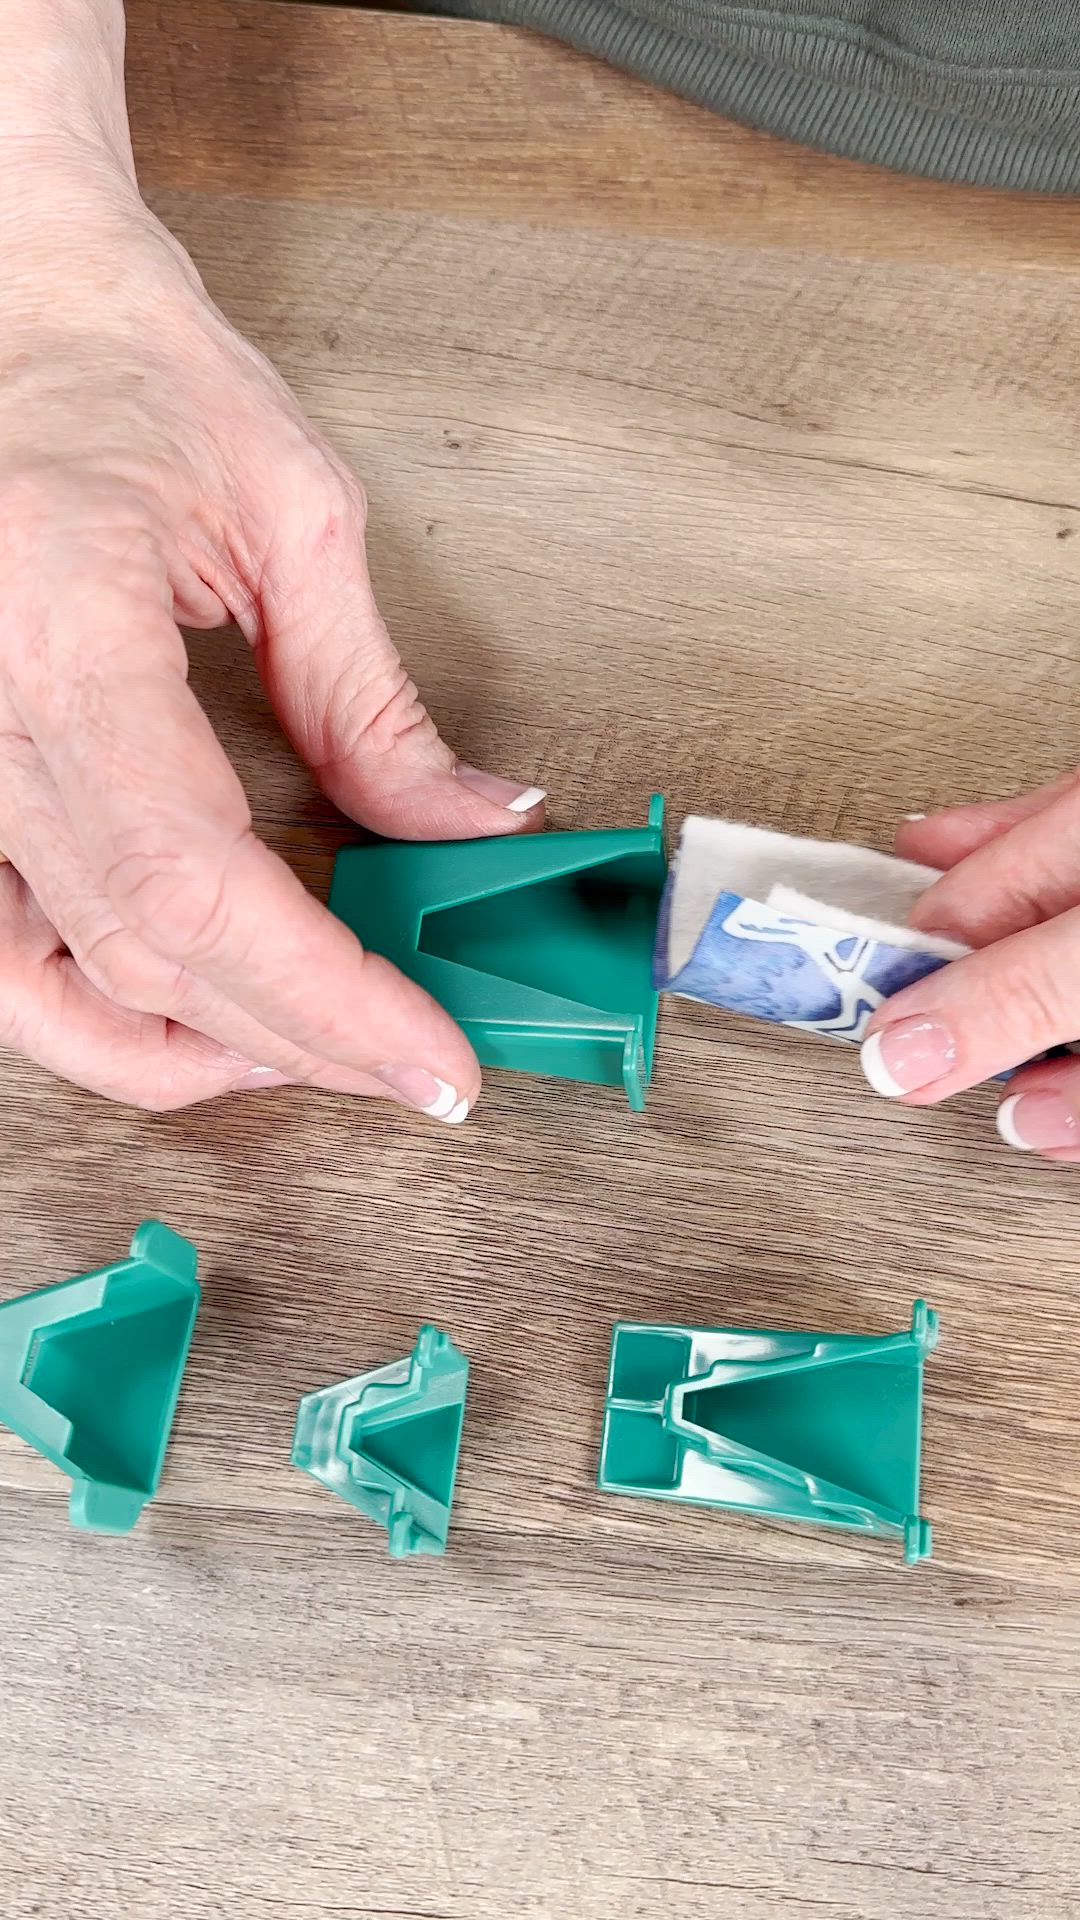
<point>338,513</point>
<point>104,959</point>
<point>1024,903</point>
<point>372,716</point>
<point>1030,1003</point>
<point>345,498</point>
<point>122,969</point>
<point>173,900</point>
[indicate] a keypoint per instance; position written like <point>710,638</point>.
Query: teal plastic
<point>388,1442</point>
<point>801,1426</point>
<point>90,1373</point>
<point>539,945</point>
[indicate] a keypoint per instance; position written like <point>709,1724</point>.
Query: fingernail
<point>428,1094</point>
<point>912,1054</point>
<point>505,793</point>
<point>259,1078</point>
<point>914,816</point>
<point>1033,1121</point>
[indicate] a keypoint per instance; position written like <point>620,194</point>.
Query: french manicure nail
<point>258,1079</point>
<point>1038,1121</point>
<point>426,1092</point>
<point>912,1054</point>
<point>505,793</point>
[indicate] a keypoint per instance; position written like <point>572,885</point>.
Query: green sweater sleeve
<point>985,91</point>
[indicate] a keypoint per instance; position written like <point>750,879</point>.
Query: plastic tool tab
<point>388,1441</point>
<point>90,1373</point>
<point>801,1426</point>
<point>539,945</point>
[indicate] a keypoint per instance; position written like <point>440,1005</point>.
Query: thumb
<point>341,692</point>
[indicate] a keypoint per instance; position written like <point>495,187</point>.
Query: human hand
<point>1011,891</point>
<point>155,470</point>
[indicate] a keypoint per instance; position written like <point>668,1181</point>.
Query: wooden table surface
<point>697,462</point>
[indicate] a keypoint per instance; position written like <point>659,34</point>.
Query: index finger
<point>945,838</point>
<point>1025,875</point>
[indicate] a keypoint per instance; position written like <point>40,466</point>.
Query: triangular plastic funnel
<point>388,1441</point>
<point>539,945</point>
<point>90,1373</point>
<point>802,1426</point>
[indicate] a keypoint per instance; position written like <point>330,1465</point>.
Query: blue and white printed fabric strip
<point>773,966</point>
<point>822,962</point>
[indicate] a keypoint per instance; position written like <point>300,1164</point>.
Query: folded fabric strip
<point>809,933</point>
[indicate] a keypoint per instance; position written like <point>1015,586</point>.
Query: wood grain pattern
<point>462,118</point>
<point>666,503</point>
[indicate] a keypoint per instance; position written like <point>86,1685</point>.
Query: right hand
<point>1010,890</point>
<point>155,470</point>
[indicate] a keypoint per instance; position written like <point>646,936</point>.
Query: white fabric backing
<point>830,882</point>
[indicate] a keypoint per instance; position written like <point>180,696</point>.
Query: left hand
<point>155,471</point>
<point>1010,889</point>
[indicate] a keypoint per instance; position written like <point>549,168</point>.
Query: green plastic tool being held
<point>539,945</point>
